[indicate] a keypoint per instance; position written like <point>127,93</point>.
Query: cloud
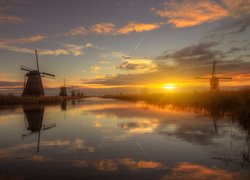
<point>239,25</point>
<point>109,28</point>
<point>195,54</point>
<point>31,39</point>
<point>104,62</point>
<point>95,69</point>
<point>77,50</point>
<point>137,27</point>
<point>110,165</point>
<point>137,64</point>
<point>103,28</point>
<point>195,171</point>
<point>180,67</point>
<point>185,13</point>
<point>10,44</point>
<point>78,31</point>
<point>5,7</point>
<point>68,49</point>
<point>10,19</point>
<point>238,7</point>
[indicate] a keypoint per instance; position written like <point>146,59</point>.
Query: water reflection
<point>124,140</point>
<point>34,122</point>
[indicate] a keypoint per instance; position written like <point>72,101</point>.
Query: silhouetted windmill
<point>33,80</point>
<point>214,80</point>
<point>74,91</point>
<point>63,90</point>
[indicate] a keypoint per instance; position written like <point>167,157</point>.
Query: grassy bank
<point>234,105</point>
<point>18,100</point>
<point>220,99</point>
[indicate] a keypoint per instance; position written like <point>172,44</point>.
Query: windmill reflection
<point>64,106</point>
<point>33,116</point>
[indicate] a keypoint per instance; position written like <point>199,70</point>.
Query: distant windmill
<point>74,92</point>
<point>63,89</point>
<point>33,80</point>
<point>214,80</point>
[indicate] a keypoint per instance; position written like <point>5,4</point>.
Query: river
<point>99,138</point>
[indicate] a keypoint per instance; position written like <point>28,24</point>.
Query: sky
<point>113,46</point>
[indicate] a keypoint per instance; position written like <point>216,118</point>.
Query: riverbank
<point>19,100</point>
<point>226,100</point>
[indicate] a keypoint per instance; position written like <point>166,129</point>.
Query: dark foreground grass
<point>18,100</point>
<point>220,99</point>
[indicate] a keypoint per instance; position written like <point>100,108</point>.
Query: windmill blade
<point>213,72</point>
<point>225,78</point>
<point>47,127</point>
<point>47,74</point>
<point>26,68</point>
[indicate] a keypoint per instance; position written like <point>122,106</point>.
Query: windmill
<point>63,90</point>
<point>74,91</point>
<point>214,80</point>
<point>33,80</point>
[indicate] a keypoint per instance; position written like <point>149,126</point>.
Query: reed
<point>209,99</point>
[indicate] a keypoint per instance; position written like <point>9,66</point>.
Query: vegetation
<point>18,100</point>
<point>216,104</point>
<point>221,99</point>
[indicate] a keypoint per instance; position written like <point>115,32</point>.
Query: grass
<point>220,99</point>
<point>234,105</point>
<point>18,100</point>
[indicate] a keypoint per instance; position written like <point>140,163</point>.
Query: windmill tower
<point>214,80</point>
<point>33,80</point>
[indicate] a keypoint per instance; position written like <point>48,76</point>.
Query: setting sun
<point>170,86</point>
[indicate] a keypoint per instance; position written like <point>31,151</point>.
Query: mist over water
<point>102,138</point>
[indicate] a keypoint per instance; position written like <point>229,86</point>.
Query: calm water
<point>102,138</point>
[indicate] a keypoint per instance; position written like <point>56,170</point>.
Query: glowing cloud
<point>194,171</point>
<point>103,28</point>
<point>137,27</point>
<point>78,31</point>
<point>190,13</point>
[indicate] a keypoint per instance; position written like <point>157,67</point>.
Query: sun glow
<point>170,86</point>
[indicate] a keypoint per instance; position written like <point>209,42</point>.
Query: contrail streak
<point>140,42</point>
<point>144,152</point>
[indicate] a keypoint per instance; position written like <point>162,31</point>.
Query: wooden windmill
<point>33,80</point>
<point>214,80</point>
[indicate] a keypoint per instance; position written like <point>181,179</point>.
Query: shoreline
<point>19,100</point>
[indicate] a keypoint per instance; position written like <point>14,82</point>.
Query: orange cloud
<point>137,27</point>
<point>198,172</point>
<point>191,13</point>
<point>9,19</point>
<point>103,28</point>
<point>113,165</point>
<point>32,39</point>
<point>78,31</point>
